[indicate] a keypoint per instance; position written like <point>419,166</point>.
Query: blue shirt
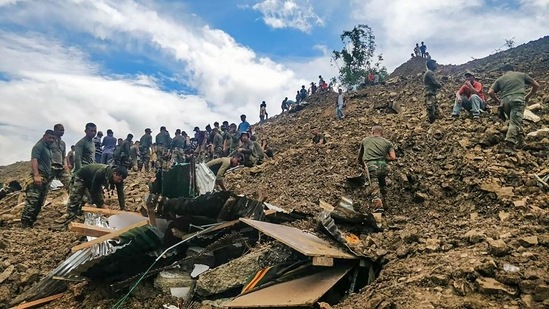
<point>109,142</point>
<point>244,126</point>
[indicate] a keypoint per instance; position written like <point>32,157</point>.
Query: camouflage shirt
<point>430,83</point>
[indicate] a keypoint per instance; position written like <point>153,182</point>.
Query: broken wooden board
<point>109,236</point>
<point>89,230</point>
<point>305,243</point>
<point>39,302</point>
<point>304,291</point>
<point>325,206</point>
<point>106,211</point>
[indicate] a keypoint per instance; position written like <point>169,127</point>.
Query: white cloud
<point>454,31</point>
<point>298,14</point>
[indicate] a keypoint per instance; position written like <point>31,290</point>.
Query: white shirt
<point>340,100</point>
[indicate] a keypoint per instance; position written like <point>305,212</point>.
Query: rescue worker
<point>220,165</point>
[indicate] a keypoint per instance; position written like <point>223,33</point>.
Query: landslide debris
<point>466,226</point>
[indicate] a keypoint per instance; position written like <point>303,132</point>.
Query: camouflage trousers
<point>431,104</point>
<point>34,200</point>
<point>378,170</point>
<point>515,132</point>
<point>178,155</point>
<point>61,174</point>
<point>78,193</point>
<point>145,159</point>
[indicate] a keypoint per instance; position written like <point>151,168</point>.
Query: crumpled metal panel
<point>141,241</point>
<point>205,178</point>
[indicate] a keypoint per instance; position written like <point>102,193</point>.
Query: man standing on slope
<point>373,155</point>
<point>59,168</point>
<point>431,86</point>
<point>37,189</point>
<point>512,91</point>
<point>84,152</point>
<point>145,144</point>
<point>469,97</point>
<point>340,104</point>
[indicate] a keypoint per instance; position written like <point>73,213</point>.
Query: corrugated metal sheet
<point>140,244</point>
<point>205,178</point>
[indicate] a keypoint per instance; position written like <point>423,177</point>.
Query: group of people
<point>98,162</point>
<point>421,51</point>
<point>303,93</point>
<point>508,91</point>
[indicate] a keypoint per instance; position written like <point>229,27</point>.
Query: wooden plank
<point>323,261</point>
<point>107,211</point>
<point>38,302</point>
<point>304,291</point>
<point>106,237</point>
<point>325,206</point>
<point>305,243</point>
<point>89,230</point>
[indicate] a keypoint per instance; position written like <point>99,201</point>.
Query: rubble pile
<point>466,225</point>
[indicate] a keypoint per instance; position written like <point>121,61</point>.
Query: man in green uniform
<point>373,155</point>
<point>93,178</point>
<point>220,165</point>
<point>59,168</point>
<point>84,152</point>
<point>163,142</point>
<point>512,92</point>
<point>431,86</point>
<point>247,149</point>
<point>217,144</point>
<point>145,144</point>
<point>179,143</point>
<point>232,140</point>
<point>40,178</point>
<point>258,149</point>
<point>318,138</point>
<point>125,159</point>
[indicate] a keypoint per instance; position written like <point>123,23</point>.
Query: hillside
<point>466,225</point>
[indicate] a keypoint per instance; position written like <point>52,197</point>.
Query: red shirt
<point>464,90</point>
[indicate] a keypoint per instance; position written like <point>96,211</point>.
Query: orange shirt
<point>464,90</point>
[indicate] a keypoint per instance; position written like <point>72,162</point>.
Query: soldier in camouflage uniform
<point>163,142</point>
<point>373,155</point>
<point>39,179</point>
<point>217,144</point>
<point>93,178</point>
<point>232,140</point>
<point>247,149</point>
<point>84,152</point>
<point>179,143</point>
<point>431,87</point>
<point>145,144</point>
<point>59,168</point>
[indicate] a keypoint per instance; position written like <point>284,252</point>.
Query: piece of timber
<point>39,302</point>
<point>323,261</point>
<point>109,236</point>
<point>107,211</point>
<point>325,206</point>
<point>305,243</point>
<point>89,230</point>
<point>300,292</point>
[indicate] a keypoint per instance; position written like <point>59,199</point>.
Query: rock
<point>440,279</point>
<point>487,269</point>
<point>474,236</point>
<point>409,236</point>
<point>541,293</point>
<point>402,251</point>
<point>29,277</point>
<point>492,286</point>
<point>236,272</point>
<point>504,216</point>
<point>530,116</point>
<point>173,279</point>
<point>323,305</point>
<point>527,300</point>
<point>498,247</point>
<point>528,241</point>
<point>6,273</point>
<point>393,94</point>
<point>420,197</point>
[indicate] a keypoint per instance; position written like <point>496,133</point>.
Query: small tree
<point>358,50</point>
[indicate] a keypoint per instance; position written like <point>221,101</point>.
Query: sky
<point>129,64</point>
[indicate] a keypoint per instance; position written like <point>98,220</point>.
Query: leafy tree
<point>356,55</point>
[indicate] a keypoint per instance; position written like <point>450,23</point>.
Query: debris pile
<point>465,224</point>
